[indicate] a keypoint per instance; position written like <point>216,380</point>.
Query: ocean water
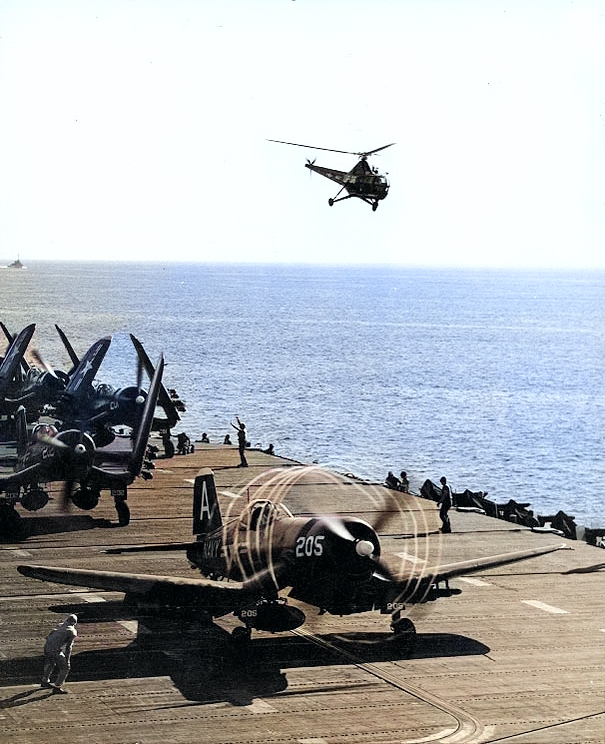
<point>495,379</point>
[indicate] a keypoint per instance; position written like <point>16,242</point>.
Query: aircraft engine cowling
<point>336,560</point>
<point>350,547</point>
<point>117,407</point>
<point>78,458</point>
<point>273,617</point>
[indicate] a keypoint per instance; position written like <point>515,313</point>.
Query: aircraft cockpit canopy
<point>104,389</point>
<point>42,431</point>
<point>262,513</point>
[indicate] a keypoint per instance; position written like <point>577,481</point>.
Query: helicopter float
<point>362,181</point>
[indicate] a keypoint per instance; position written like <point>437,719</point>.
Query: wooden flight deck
<point>516,656</point>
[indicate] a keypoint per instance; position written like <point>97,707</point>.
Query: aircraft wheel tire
<point>331,202</point>
<point>404,627</point>
<point>241,635</point>
<point>374,206</point>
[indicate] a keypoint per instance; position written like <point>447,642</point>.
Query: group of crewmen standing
<point>445,500</point>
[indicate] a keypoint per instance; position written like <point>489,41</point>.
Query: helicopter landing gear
<point>374,206</point>
<point>331,202</point>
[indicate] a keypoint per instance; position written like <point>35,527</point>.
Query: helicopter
<point>362,181</point>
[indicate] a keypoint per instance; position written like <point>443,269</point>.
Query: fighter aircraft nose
<point>364,548</point>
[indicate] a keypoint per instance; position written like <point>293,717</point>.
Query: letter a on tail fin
<point>206,511</point>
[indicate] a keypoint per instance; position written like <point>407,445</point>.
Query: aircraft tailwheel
<point>331,202</point>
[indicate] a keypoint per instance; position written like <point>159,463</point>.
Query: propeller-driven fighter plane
<point>22,385</point>
<point>73,457</point>
<point>329,562</point>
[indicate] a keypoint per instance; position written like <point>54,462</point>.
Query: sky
<point>138,130</point>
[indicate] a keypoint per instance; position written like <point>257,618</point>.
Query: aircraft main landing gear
<point>403,626</point>
<point>405,634</point>
<point>11,524</point>
<point>241,636</point>
<point>123,512</point>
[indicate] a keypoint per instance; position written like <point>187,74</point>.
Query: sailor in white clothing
<point>57,653</point>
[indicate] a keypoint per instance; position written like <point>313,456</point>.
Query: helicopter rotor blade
<point>371,152</point>
<point>327,149</point>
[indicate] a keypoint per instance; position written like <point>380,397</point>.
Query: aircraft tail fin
<point>144,427</point>
<point>206,509</point>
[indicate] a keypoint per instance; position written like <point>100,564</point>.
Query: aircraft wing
<point>164,400</point>
<point>88,367</point>
<point>70,350</point>
<point>12,360</point>
<point>215,597</point>
<point>123,459</point>
<point>451,570</point>
<point>20,478</point>
<point>9,337</point>
<point>414,585</point>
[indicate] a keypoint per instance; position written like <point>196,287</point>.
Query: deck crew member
<point>241,442</point>
<point>445,502</point>
<point>57,653</point>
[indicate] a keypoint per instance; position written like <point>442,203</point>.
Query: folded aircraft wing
<point>14,355</point>
<point>164,400</point>
<point>123,458</point>
<point>82,377</point>
<point>215,597</point>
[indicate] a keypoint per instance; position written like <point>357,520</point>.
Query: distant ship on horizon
<point>15,265</point>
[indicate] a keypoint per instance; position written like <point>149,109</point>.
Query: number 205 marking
<point>306,547</point>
